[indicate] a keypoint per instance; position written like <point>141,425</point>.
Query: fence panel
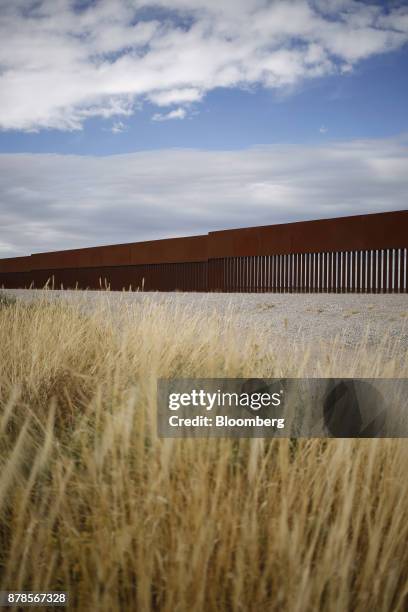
<point>363,254</point>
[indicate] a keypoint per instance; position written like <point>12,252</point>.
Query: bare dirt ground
<point>300,318</point>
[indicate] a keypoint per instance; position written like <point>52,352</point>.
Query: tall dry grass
<point>92,502</point>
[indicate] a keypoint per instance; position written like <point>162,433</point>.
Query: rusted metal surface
<point>332,272</point>
<point>364,253</point>
<point>150,277</point>
<point>15,264</point>
<point>357,233</point>
<point>169,250</point>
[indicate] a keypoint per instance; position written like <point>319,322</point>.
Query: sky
<point>127,120</point>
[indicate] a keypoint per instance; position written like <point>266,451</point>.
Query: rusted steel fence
<point>359,254</point>
<point>369,271</point>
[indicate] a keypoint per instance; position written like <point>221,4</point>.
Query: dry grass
<point>92,502</point>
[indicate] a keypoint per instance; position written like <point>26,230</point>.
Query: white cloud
<point>50,202</point>
<point>178,113</point>
<point>175,96</point>
<point>59,66</point>
<point>118,127</point>
<point>323,129</point>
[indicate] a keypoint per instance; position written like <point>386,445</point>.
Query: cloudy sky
<point>124,120</point>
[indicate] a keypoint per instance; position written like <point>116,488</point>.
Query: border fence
<point>358,254</point>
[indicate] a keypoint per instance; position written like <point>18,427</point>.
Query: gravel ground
<point>303,318</point>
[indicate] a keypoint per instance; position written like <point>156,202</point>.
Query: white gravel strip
<point>302,318</point>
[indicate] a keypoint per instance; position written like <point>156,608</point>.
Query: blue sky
<point>371,102</point>
<point>203,115</point>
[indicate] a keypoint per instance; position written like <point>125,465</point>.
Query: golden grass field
<point>92,502</point>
